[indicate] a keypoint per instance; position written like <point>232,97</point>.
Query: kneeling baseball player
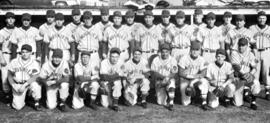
<point>22,75</point>
<point>86,76</point>
<point>55,75</point>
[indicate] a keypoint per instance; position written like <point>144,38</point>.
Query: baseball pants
<point>18,101</point>
<point>4,70</point>
<point>115,92</point>
<point>161,92</point>
<point>202,85</point>
<point>263,67</point>
<point>78,102</point>
<point>52,94</point>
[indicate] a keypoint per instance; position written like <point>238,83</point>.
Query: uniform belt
<point>183,47</point>
<point>20,82</point>
<point>93,51</point>
<point>260,50</point>
<point>6,53</point>
<point>209,50</point>
<point>149,51</point>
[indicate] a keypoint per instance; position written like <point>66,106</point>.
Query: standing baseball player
<point>181,34</point>
<point>76,20</point>
<point>45,28</point>
<point>55,75</point>
<point>22,74</point>
<point>149,36</point>
<point>105,22</point>
<point>5,53</point>
<point>86,77</point>
<point>88,38</point>
<point>220,77</point>
<point>227,25</point>
<point>118,36</point>
<point>60,37</point>
<point>211,38</point>
<point>137,70</point>
<point>261,36</point>
<point>165,26</point>
<point>192,70</point>
<point>164,68</point>
<point>245,66</point>
<point>198,23</point>
<point>111,72</point>
<point>26,34</point>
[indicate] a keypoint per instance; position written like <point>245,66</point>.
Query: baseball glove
<point>83,90</point>
<point>237,69</point>
<point>249,78</point>
<point>219,91</point>
<point>190,91</point>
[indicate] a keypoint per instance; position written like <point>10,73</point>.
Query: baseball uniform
<point>225,29</point>
<point>23,71</point>
<point>196,30</point>
<point>165,34</point>
<point>72,27</point>
<point>135,71</point>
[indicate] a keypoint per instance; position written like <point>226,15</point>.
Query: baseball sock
<point>204,96</point>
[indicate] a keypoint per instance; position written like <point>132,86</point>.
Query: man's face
<point>25,54</point>
<point>59,23</point>
<point>165,54</point>
<point>85,59</point>
<point>10,21</point>
<point>117,20</point>
<point>242,48</point>
<point>198,18</point>
<point>149,20</point>
<point>137,55</point>
<point>227,20</point>
<point>88,21</point>
<point>105,18</point>
<point>114,57</point>
<point>240,23</point>
<point>26,22</point>
<point>195,52</point>
<point>180,21</point>
<point>50,19</point>
<point>211,22</point>
<point>56,60</point>
<point>262,20</point>
<point>130,20</point>
<point>76,18</point>
<point>220,58</point>
<point>166,19</point>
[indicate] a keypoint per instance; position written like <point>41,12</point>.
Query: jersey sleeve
<point>44,72</point>
<point>13,38</point>
<point>103,68</point>
<point>77,70</point>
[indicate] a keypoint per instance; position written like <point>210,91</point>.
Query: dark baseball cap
<point>242,42</point>
<point>240,17</point>
<point>50,13</point>
<point>26,47</point>
<point>75,12</point>
<point>87,15</point>
<point>59,16</point>
<point>211,15</point>
<point>198,12</point>
<point>180,14</point>
<point>57,53</point>
<point>165,46</point>
<point>221,51</point>
<point>165,13</point>
<point>261,13</point>
<point>115,50</point>
<point>148,13</point>
<point>10,15</point>
<point>85,53</point>
<point>117,14</point>
<point>138,49</point>
<point>195,45</point>
<point>104,11</point>
<point>227,14</point>
<point>26,16</point>
<point>130,13</point>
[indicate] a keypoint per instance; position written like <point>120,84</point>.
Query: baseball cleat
<point>116,108</point>
<point>253,106</point>
<point>37,107</point>
<point>170,107</point>
<point>267,97</point>
<point>93,106</point>
<point>144,105</point>
<point>62,107</point>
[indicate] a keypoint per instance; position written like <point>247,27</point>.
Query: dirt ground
<point>136,114</point>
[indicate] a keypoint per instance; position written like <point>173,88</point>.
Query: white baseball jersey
<point>20,37</point>
<point>49,71</point>
<point>45,28</point>
<point>4,39</point>
<point>101,27</point>
<point>149,38</point>
<point>219,74</point>
<point>72,27</point>
<point>235,34</point>
<point>117,37</point>
<point>59,38</point>
<point>246,60</point>
<point>133,29</point>
<point>181,36</point>
<point>88,70</point>
<point>226,28</point>
<point>192,66</point>
<point>134,70</point>
<point>165,33</point>
<point>196,30</point>
<point>261,36</point>
<point>23,70</point>
<point>107,68</point>
<point>211,38</point>
<point>87,39</point>
<point>164,67</point>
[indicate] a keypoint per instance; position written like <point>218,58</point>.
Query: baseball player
<point>211,38</point>
<point>247,62</point>
<point>88,38</point>
<point>239,32</point>
<point>46,27</point>
<point>261,36</point>
<point>165,68</point>
<point>198,23</point>
<point>105,22</point>
<point>22,74</point>
<point>220,77</point>
<point>5,53</point>
<point>111,71</point>
<point>165,26</point>
<point>227,25</point>
<point>59,37</point>
<point>149,36</point>
<point>137,70</point>
<point>118,36</point>
<point>76,20</point>
<point>26,34</point>
<point>55,75</point>
<point>192,70</point>
<point>86,76</point>
<point>181,34</point>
